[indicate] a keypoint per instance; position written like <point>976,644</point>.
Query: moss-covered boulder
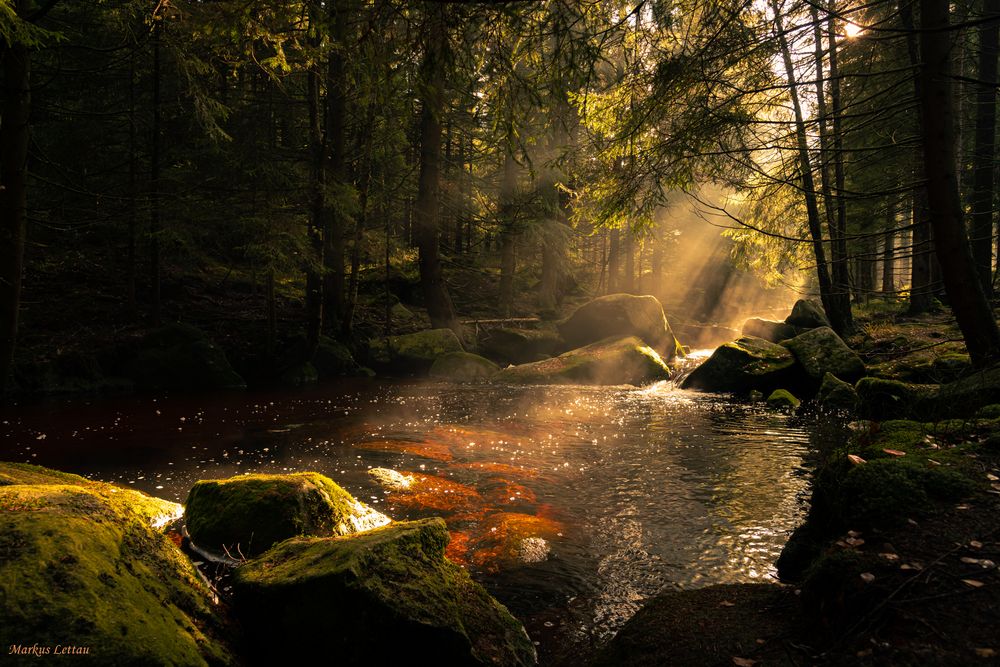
<point>299,375</point>
<point>247,515</point>
<point>782,399</point>
<point>412,353</point>
<point>333,359</point>
<point>382,597</point>
<point>890,399</point>
<point>821,351</point>
<point>613,361</point>
<point>808,314</point>
<point>770,330</point>
<point>744,365</point>
<point>964,397</point>
<point>519,346</point>
<point>81,564</point>
<point>835,395</point>
<point>463,367</point>
<point>617,315</point>
<point>179,356</point>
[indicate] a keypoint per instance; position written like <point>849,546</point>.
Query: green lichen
<point>246,515</point>
<point>821,351</point>
<point>782,399</point>
<point>373,597</point>
<point>82,567</point>
<point>608,362</point>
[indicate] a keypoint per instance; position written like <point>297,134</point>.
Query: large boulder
<point>617,315</point>
<point>333,359</point>
<point>770,330</point>
<point>745,365</point>
<point>882,399</point>
<point>807,314</point>
<point>247,515</point>
<point>519,346</point>
<point>412,353</point>
<point>387,596</point>
<point>613,361</point>
<point>463,367</point>
<point>820,351</point>
<point>964,397</point>
<point>84,567</point>
<point>179,356</point>
<point>835,395</point>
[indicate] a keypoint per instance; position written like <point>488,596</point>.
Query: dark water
<point>571,504</point>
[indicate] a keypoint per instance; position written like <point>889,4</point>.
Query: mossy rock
<point>769,330</point>
<point>412,353</point>
<point>80,566</point>
<point>519,346</point>
<point>179,356</point>
<point>333,359</point>
<point>463,367</point>
<point>890,399</point>
<point>782,399</point>
<point>249,514</point>
<point>381,597</point>
<point>820,351</point>
<point>744,365</point>
<point>964,397</point>
<point>608,362</point>
<point>808,314</point>
<point>299,375</point>
<point>835,395</point>
<point>618,315</point>
<point>834,590</point>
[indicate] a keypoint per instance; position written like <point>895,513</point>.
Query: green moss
<point>463,366</point>
<point>835,395</point>
<point>373,598</point>
<point>82,566</point>
<point>608,362</point>
<point>989,412</point>
<point>890,399</point>
<point>782,399</point>
<point>746,364</point>
<point>820,351</point>
<point>248,514</point>
<point>618,315</point>
<point>178,356</point>
<point>414,352</point>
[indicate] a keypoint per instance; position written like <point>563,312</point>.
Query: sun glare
<point>852,30</point>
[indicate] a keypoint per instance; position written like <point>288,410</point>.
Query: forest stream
<point>572,505</point>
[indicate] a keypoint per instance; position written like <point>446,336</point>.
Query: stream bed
<point>572,505</point>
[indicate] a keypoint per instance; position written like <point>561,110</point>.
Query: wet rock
<point>821,351</point>
<point>807,314</point>
<point>376,598</point>
<point>964,397</point>
<point>299,375</point>
<point>882,399</point>
<point>412,353</point>
<point>608,362</point>
<point>462,367</point>
<point>835,395</point>
<point>782,399</point>
<point>436,451</point>
<point>246,515</point>
<point>333,359</point>
<point>746,364</point>
<point>519,346</point>
<point>81,564</point>
<point>179,356</point>
<point>770,330</point>
<point>617,315</point>
<point>426,492</point>
<point>510,539</point>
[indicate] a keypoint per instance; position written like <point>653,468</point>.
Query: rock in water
<point>821,351</point>
<point>808,314</point>
<point>412,353</point>
<point>782,399</point>
<point>618,315</point>
<point>835,395</point>
<point>383,597</point>
<point>81,565</point>
<point>179,356</point>
<point>608,362</point>
<point>746,364</point>
<point>519,346</point>
<point>770,330</point>
<point>463,367</point>
<point>247,515</point>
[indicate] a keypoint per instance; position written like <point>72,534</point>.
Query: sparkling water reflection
<point>571,504</point>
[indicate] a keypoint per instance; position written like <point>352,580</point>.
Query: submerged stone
<point>808,314</point>
<point>608,362</point>
<point>426,492</point>
<point>743,365</point>
<point>413,353</point>
<point>83,565</point>
<point>510,539</point>
<point>617,315</point>
<point>381,597</point>
<point>463,367</point>
<point>821,351</point>
<point>246,515</point>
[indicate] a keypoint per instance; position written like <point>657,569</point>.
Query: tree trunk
<point>614,262</point>
<point>983,153</point>
<point>889,251</point>
<point>317,185</point>
<point>335,220</point>
<point>808,187</point>
<point>508,229</point>
<point>154,182</point>
<point>131,305</point>
<point>427,207</point>
<point>628,282</point>
<point>965,292</point>
<point>14,135</point>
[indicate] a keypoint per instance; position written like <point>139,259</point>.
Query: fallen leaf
<point>969,561</point>
<point>889,556</point>
<point>855,459</point>
<point>986,652</point>
<point>727,603</point>
<point>867,577</point>
<point>894,452</point>
<point>976,544</point>
<point>912,522</point>
<point>933,462</point>
<point>853,533</point>
<point>743,662</point>
<point>993,478</point>
<point>854,542</point>
<point>975,583</point>
<point>963,506</point>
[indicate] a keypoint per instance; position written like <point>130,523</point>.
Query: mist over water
<point>571,504</point>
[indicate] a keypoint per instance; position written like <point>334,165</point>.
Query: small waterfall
<point>683,366</point>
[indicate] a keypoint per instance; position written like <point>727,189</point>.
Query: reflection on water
<point>571,504</point>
